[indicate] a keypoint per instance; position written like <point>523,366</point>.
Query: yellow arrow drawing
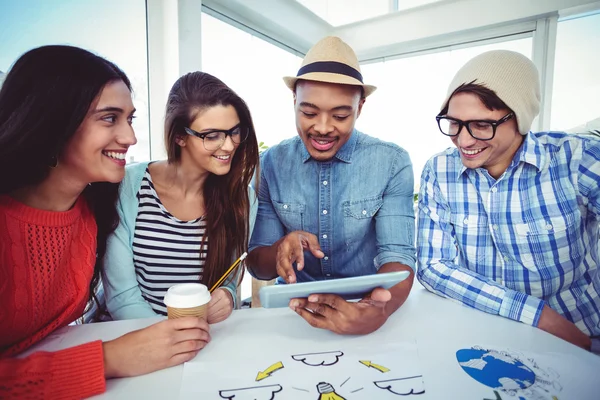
<point>267,372</point>
<point>380,368</point>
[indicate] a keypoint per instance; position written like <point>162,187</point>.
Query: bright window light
<point>113,29</point>
<point>409,95</point>
<point>576,89</point>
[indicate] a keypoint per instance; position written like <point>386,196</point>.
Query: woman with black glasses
<point>185,219</point>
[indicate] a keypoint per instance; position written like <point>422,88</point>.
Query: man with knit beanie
<point>334,202</point>
<point>509,220</point>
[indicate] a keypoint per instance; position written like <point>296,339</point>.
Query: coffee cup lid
<point>187,295</point>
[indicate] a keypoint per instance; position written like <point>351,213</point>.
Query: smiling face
<point>494,155</point>
<point>193,150</point>
<point>325,116</point>
<point>97,151</point>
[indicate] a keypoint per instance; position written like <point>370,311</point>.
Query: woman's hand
<point>162,345</point>
<point>220,306</point>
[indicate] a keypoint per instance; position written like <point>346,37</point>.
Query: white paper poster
<point>391,371</point>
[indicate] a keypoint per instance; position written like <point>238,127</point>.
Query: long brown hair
<point>43,101</point>
<point>226,198</point>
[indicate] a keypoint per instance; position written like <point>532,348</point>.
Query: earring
<point>53,162</point>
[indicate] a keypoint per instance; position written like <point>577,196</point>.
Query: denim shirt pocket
<point>470,232</point>
<point>358,215</point>
<point>291,215</point>
<point>550,240</point>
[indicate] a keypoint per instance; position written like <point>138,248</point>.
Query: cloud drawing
<point>319,359</point>
<point>251,393</point>
<point>412,385</point>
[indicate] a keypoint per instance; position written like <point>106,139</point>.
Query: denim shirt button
<point>325,183</point>
<point>285,206</point>
<point>364,212</point>
<point>326,258</point>
<point>324,211</point>
<point>324,236</point>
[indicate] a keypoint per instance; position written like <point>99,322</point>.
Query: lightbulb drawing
<point>326,392</point>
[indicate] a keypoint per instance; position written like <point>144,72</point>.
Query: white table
<point>440,327</point>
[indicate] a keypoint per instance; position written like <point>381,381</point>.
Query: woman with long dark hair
<point>65,127</point>
<point>187,218</point>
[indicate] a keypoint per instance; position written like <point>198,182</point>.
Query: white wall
<point>432,25</point>
<point>174,49</point>
<point>445,22</point>
<point>283,23</point>
<point>426,29</point>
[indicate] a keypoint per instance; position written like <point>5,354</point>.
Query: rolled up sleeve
<point>395,220</point>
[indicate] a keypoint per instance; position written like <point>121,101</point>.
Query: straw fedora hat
<point>331,60</point>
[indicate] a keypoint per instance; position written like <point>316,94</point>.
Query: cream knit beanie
<point>512,76</point>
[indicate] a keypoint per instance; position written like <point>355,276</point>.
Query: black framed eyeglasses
<point>214,139</point>
<point>480,129</point>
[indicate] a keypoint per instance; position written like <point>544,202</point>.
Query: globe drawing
<point>494,369</point>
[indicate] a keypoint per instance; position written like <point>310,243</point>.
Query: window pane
<point>254,69</point>
<point>340,12</point>
<point>409,96</point>
<point>113,29</point>
<point>576,89</point>
<point>406,4</point>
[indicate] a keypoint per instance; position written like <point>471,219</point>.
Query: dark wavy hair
<point>44,99</point>
<point>225,197</point>
<point>488,97</point>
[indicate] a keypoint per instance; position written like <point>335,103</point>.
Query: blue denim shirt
<point>359,205</point>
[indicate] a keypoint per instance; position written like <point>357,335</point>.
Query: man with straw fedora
<point>334,202</point>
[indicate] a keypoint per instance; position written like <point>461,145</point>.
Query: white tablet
<point>275,296</point>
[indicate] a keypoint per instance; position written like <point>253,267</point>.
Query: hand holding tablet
<point>348,288</point>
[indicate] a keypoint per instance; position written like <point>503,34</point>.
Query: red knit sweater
<point>46,264</point>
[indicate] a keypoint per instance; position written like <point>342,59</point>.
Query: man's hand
<point>329,311</point>
<point>554,323</point>
<point>291,249</point>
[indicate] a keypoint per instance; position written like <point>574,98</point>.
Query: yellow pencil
<point>235,264</point>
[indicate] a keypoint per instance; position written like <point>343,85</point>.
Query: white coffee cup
<point>187,299</point>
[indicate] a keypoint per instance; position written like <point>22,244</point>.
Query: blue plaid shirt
<point>511,245</point>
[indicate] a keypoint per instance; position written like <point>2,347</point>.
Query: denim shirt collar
<point>531,152</point>
<point>344,154</point>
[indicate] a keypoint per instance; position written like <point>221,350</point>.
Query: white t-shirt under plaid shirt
<point>511,245</point>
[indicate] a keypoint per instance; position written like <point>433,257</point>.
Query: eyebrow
<point>207,130</point>
<point>111,109</point>
<point>338,108</point>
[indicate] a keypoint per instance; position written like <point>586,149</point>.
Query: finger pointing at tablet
<point>291,250</point>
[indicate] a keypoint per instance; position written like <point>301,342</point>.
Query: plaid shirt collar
<point>530,152</point>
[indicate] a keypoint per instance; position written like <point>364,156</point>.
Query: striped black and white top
<point>166,250</point>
